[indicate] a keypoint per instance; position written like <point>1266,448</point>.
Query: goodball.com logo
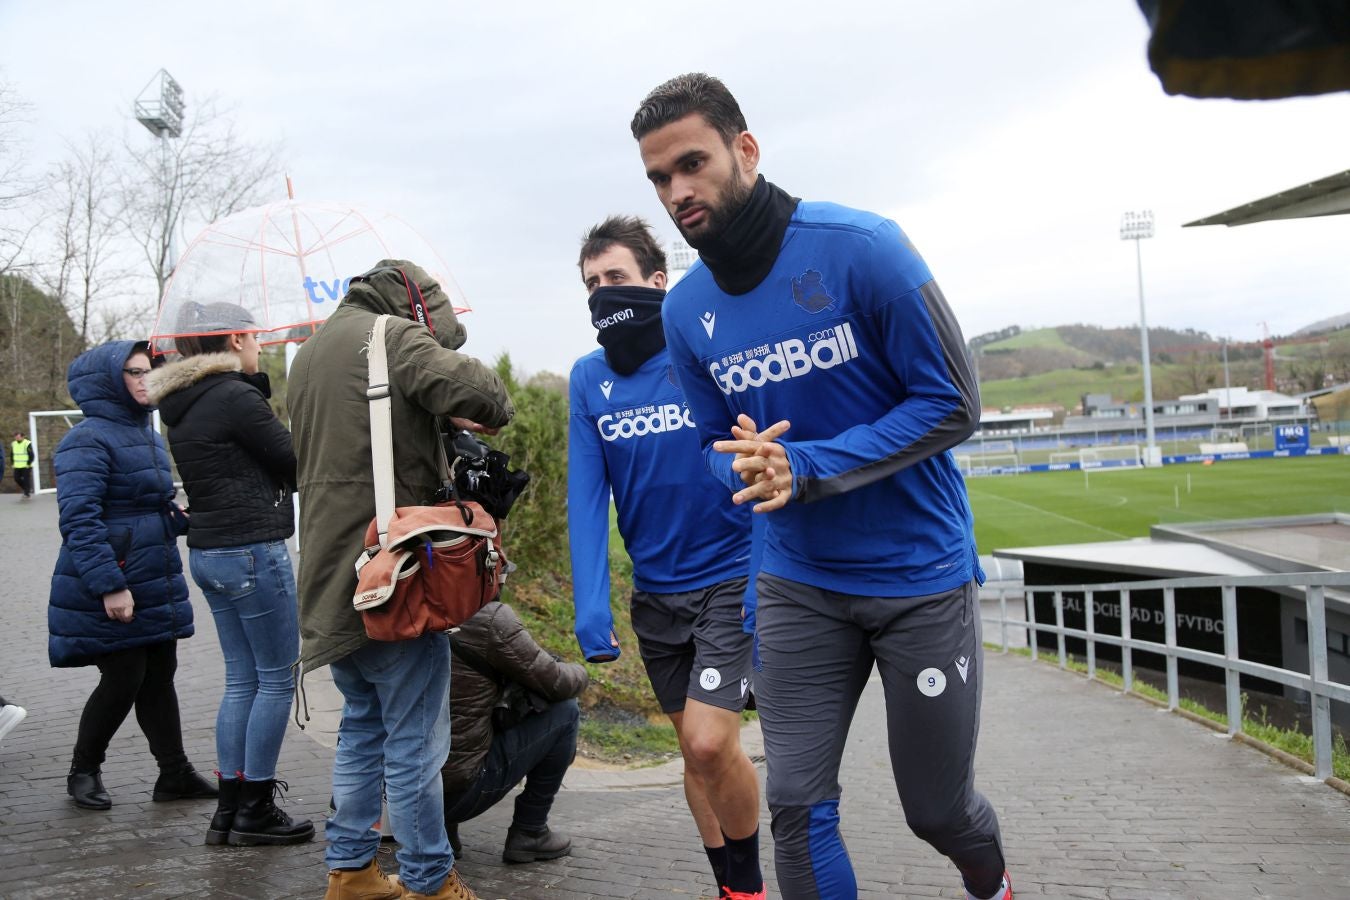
<point>789,359</point>
<point>667,417</point>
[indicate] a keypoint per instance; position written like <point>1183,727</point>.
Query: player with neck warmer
<point>628,322</point>
<point>630,433</point>
<point>826,322</point>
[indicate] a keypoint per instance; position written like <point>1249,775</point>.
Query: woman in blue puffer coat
<point>118,598</point>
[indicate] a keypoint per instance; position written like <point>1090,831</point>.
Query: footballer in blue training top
<point>828,379</point>
<point>631,435</point>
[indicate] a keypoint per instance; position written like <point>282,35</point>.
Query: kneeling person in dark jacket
<point>496,664</point>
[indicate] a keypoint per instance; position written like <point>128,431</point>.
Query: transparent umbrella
<point>288,264</point>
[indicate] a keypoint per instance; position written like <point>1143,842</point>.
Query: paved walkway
<point>1100,796</point>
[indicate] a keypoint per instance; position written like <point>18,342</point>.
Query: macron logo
<point>963,667</point>
<point>709,319</point>
<point>622,315</point>
<point>606,387</point>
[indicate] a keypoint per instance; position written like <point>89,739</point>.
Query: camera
<point>481,474</point>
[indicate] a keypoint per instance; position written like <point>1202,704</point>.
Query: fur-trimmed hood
<point>177,386</point>
<point>234,456</point>
<point>187,371</point>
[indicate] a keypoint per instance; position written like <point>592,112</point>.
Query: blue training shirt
<point>633,435</point>
<point>848,338</point>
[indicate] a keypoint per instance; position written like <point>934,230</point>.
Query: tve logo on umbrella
<point>336,290</point>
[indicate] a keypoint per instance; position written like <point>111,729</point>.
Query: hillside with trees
<point>1057,365</point>
<point>39,341</point>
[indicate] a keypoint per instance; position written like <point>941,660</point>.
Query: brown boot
<point>453,889</point>
<point>367,883</point>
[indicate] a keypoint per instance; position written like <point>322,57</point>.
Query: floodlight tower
<point>159,107</point>
<point>1135,226</point>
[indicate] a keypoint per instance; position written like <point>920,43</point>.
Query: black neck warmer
<point>747,248</point>
<point>628,320</point>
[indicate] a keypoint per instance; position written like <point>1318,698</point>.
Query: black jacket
<point>233,454</point>
<point>496,636</point>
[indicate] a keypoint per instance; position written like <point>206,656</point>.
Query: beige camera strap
<point>381,429</point>
<point>382,432</point>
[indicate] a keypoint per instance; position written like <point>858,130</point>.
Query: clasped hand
<point>119,606</point>
<point>761,462</point>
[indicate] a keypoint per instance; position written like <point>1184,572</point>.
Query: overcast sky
<point>1006,138</point>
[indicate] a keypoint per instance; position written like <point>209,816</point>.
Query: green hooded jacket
<point>330,422</point>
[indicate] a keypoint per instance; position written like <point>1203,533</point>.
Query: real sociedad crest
<point>808,292</point>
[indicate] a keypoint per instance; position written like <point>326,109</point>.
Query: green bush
<point>535,537</point>
<point>535,534</point>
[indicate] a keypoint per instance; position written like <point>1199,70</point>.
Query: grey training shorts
<point>693,645</point>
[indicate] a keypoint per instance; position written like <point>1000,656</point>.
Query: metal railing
<point>1320,688</point>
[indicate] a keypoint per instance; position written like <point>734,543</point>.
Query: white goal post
<point>988,464</point>
<point>45,429</point>
<point>1120,456</point>
<point>979,447</point>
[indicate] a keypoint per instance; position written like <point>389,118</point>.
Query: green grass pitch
<point>1041,508</point>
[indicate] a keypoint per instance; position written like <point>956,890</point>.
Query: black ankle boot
<point>259,821</point>
<point>86,786</point>
<point>226,807</point>
<point>183,783</point>
<point>534,846</point>
<point>452,832</point>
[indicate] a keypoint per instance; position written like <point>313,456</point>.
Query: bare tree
<point>1195,373</point>
<point>1338,358</point>
<point>16,226</point>
<point>209,172</point>
<point>16,186</point>
<point>125,321</point>
<point>1309,369</point>
<point>84,227</point>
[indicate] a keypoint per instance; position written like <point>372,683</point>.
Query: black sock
<point>743,873</point>
<point>717,856</point>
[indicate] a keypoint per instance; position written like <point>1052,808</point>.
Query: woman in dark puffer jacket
<point>238,469</point>
<point>118,598</point>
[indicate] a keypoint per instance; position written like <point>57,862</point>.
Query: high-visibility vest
<point>20,454</point>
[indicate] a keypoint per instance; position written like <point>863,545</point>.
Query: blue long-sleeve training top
<point>849,338</point>
<point>633,435</point>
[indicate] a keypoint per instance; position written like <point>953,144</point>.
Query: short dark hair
<point>196,345</point>
<point>632,232</point>
<point>682,95</point>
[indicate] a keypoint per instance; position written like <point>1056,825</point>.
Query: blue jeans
<point>251,592</point>
<point>538,750</point>
<point>395,733</point>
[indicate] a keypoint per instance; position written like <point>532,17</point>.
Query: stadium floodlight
<point>159,107</point>
<point>1135,226</point>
